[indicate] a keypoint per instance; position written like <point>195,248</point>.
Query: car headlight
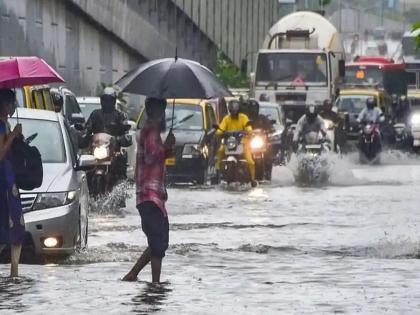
<point>192,150</point>
<point>54,200</point>
<point>415,119</point>
<point>100,152</point>
<point>257,143</point>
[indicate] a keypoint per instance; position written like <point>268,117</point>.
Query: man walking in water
<point>151,191</point>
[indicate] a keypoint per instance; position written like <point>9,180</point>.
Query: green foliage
<point>229,73</point>
<point>416,27</point>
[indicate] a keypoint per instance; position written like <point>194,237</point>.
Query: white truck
<point>301,63</point>
<point>411,58</point>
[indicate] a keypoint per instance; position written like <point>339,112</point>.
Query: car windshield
<point>353,104</point>
<point>88,108</point>
<point>48,139</point>
<point>292,68</point>
<point>363,75</point>
<point>186,117</point>
<point>271,113</point>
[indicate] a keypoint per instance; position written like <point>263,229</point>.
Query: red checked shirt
<point>150,168</point>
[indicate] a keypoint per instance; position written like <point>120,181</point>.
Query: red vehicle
<point>377,71</point>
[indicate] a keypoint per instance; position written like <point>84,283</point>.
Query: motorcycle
<point>234,166</point>
<point>111,161</point>
<point>259,148</point>
<point>312,160</point>
<point>370,143</point>
<point>400,136</point>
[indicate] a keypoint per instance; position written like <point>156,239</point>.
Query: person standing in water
<point>151,190</point>
<point>12,224</point>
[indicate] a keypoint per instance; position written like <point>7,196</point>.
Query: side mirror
<point>77,118</point>
<point>342,68</point>
<point>244,66</point>
<point>86,162</point>
<point>289,122</point>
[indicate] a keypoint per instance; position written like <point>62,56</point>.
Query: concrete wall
<point>82,53</point>
<point>237,27</point>
<point>94,41</point>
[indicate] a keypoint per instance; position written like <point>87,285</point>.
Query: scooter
<point>234,166</point>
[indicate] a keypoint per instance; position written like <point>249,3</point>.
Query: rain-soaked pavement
<point>350,247</point>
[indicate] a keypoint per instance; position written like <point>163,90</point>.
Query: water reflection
<point>151,298</point>
<point>12,291</point>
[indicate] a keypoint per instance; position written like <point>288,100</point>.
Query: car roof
<point>186,101</point>
<point>268,104</point>
<point>360,91</point>
<point>89,99</point>
<point>36,114</point>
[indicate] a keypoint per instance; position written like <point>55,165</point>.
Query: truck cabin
<point>378,72</point>
<point>292,68</point>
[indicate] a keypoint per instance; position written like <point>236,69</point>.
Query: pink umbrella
<point>21,71</point>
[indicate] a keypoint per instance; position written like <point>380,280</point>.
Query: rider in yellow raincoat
<point>236,121</point>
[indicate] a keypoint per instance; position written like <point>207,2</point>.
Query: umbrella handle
<point>173,114</point>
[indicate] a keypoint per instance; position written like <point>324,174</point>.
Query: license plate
<point>170,161</point>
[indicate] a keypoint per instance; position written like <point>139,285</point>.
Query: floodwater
<point>349,247</point>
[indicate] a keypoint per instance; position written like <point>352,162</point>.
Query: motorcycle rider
<point>262,122</point>
<point>371,114</point>
<point>111,121</point>
<point>235,121</point>
<point>327,113</point>
<point>310,122</point>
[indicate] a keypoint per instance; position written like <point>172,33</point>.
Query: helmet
<point>234,107</point>
<point>311,113</point>
<point>108,100</point>
<point>253,109</point>
<point>371,102</point>
<point>57,99</point>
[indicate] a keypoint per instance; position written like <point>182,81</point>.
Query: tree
<point>229,73</point>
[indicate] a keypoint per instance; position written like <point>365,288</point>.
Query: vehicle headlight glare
<point>100,153</point>
<point>53,200</point>
<point>257,143</point>
<point>415,119</point>
<point>50,242</point>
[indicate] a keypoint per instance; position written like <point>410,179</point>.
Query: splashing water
<point>113,201</point>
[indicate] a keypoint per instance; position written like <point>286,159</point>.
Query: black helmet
<point>234,107</point>
<point>327,105</point>
<point>253,108</point>
<point>371,102</point>
<point>108,100</point>
<point>57,99</point>
<point>311,113</point>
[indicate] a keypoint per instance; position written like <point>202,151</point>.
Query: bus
<point>378,72</point>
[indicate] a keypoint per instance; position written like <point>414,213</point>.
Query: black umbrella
<point>173,78</point>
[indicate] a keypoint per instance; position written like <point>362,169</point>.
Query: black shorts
<point>156,227</point>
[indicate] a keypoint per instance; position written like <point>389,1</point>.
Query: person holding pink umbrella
<point>12,224</point>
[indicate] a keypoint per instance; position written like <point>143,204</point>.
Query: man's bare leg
<point>139,265</point>
<point>156,269</point>
<point>14,257</point>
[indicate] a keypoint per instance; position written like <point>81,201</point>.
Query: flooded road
<point>350,247</point>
